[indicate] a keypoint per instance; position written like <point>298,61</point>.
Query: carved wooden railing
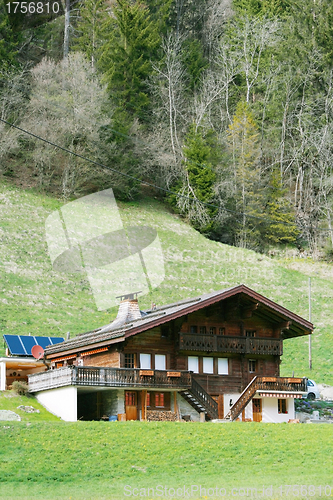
<point>109,377</point>
<point>267,384</point>
<point>225,344</point>
<point>50,379</point>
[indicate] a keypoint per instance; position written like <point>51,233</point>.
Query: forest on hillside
<point>223,108</point>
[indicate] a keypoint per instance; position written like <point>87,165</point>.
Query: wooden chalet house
<point>214,356</point>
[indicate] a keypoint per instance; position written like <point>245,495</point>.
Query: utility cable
<point>136,179</point>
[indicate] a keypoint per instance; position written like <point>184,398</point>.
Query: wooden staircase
<point>274,384</point>
<point>200,400</point>
<point>243,400</point>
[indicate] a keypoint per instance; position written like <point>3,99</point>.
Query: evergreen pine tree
<point>243,142</point>
<point>92,15</point>
<point>131,42</point>
<point>280,227</point>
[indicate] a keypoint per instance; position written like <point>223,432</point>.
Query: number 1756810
<point>33,7</point>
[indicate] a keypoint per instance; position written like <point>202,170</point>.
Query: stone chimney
<point>128,310</point>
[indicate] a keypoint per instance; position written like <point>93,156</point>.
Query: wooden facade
<point>213,346</point>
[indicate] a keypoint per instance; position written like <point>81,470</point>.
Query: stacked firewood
<point>159,416</point>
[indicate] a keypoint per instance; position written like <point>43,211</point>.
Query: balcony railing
<point>109,377</point>
<point>222,343</point>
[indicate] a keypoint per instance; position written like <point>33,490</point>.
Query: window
<point>282,406</point>
<point>159,361</point>
<point>208,365</point>
<point>165,331</point>
<point>145,361</point>
<point>129,360</point>
<point>221,331</point>
<point>202,330</point>
<point>159,399</point>
<point>250,333</point>
<point>130,398</point>
<point>222,366</point>
<point>212,330</point>
<point>252,365</point>
<point>193,329</point>
<point>193,364</point>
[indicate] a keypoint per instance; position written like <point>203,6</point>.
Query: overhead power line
<point>136,179</point>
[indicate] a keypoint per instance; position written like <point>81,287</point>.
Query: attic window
<point>193,329</point>
<point>165,331</point>
<point>250,333</point>
<point>221,331</point>
<point>202,330</point>
<point>212,330</point>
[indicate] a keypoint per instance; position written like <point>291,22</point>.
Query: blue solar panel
<point>15,345</point>
<point>21,345</point>
<point>56,340</point>
<point>28,343</point>
<point>43,341</point>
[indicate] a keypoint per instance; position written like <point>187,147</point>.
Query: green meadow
<point>98,460</point>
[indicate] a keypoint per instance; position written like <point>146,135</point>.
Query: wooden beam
<point>175,405</point>
<point>246,312</point>
<point>144,405</point>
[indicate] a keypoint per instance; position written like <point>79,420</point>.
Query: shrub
<point>20,387</point>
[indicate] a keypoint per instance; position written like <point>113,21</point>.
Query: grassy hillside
<point>35,299</point>
<point>11,401</point>
<point>96,460</point>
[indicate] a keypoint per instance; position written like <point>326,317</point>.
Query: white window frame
<point>193,364</point>
<point>208,365</point>
<point>145,361</point>
<point>160,362</point>
<point>223,366</point>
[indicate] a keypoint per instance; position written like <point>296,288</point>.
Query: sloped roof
<point>110,334</point>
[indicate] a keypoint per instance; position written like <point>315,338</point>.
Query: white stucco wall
<point>226,402</point>
<point>2,376</point>
<point>61,402</point>
<point>270,412</point>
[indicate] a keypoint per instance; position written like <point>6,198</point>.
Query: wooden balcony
<point>109,377</point>
<point>225,344</point>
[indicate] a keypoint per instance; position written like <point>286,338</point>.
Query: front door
<point>257,410</point>
<point>131,405</point>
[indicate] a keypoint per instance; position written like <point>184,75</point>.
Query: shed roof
<point>111,333</point>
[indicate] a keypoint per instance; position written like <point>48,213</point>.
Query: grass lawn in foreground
<point>96,460</point>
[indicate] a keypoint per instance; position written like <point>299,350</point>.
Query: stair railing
<point>205,400</point>
<point>243,400</point>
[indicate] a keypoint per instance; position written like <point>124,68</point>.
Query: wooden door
<point>257,410</point>
<point>220,406</point>
<point>131,405</point>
